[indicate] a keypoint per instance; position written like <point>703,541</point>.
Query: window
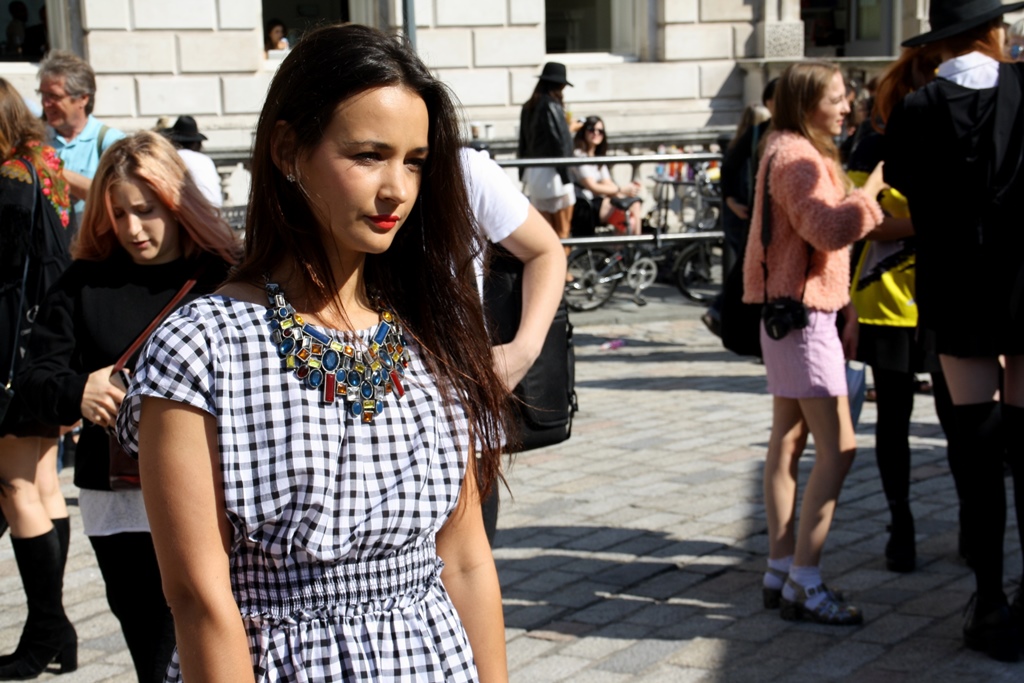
<point>25,31</point>
<point>299,16</point>
<point>604,26</point>
<point>848,28</point>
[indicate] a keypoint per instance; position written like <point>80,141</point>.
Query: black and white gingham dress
<point>333,559</point>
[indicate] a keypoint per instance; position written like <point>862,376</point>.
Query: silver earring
<point>291,178</point>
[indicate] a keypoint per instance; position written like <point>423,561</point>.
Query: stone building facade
<point>645,65</point>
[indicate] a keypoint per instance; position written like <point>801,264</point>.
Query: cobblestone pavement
<point>634,551</point>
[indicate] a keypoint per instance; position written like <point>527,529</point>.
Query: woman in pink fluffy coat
<point>813,217</point>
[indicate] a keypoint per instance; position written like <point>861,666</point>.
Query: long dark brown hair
<point>426,277</point>
<point>579,141</point>
<point>545,88</point>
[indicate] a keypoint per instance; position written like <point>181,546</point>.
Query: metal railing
<point>635,161</point>
<point>235,215</point>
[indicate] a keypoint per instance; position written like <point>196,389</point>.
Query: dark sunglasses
<point>594,129</point>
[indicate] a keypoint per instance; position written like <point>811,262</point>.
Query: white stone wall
<point>490,52</point>
<point>157,58</point>
<point>204,57</point>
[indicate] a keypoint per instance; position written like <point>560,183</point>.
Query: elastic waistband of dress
<point>308,587</point>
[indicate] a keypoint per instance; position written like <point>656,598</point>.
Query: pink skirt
<point>806,363</point>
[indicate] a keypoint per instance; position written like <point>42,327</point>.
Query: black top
<point>739,168</point>
<point>90,317</point>
<point>544,133</point>
<point>956,154</point>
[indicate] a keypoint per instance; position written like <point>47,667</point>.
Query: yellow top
<point>883,280</point>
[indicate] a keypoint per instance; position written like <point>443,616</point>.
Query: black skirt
<point>17,422</point>
<point>897,349</point>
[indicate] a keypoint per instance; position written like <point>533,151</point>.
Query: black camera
<point>783,316</point>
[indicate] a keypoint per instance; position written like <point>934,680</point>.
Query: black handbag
<point>7,392</point>
<point>546,397</point>
<point>123,468</point>
<point>741,323</point>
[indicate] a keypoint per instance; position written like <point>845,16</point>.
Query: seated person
<point>596,185</point>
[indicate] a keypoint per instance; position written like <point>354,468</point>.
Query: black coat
<point>956,153</point>
<point>739,168</point>
<point>44,243</point>
<point>544,132</point>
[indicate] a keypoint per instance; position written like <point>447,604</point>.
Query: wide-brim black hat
<point>554,72</point>
<point>951,17</point>
<point>184,129</point>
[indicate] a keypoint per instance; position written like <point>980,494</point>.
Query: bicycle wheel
<point>595,275</point>
<point>698,270</point>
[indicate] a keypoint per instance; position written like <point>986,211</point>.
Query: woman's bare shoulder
<point>243,291</point>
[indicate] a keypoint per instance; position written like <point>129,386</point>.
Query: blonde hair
<point>798,93</point>
<point>150,158</point>
<point>753,115</point>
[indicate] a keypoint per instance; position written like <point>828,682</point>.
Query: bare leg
<point>1013,381</point>
<point>48,483</point>
<point>786,445</point>
<point>835,447</point>
<point>635,220</point>
<point>561,222</point>
<point>971,380</point>
<point>21,502</point>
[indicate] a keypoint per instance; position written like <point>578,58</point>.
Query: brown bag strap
<point>185,289</point>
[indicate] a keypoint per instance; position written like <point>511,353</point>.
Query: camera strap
<point>766,232</point>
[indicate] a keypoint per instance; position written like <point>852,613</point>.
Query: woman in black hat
<point>964,132</point>
<point>544,133</point>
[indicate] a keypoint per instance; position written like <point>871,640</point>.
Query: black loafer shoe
<point>992,632</point>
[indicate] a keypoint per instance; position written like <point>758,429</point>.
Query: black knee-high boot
<point>954,451</point>
<point>983,514</point>
<point>1013,430</point>
<point>895,401</point>
<point>48,635</point>
<point>63,528</point>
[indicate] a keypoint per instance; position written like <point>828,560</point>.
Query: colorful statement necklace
<point>336,367</point>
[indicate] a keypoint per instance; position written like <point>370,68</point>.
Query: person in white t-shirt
<point>188,140</point>
<point>507,218</point>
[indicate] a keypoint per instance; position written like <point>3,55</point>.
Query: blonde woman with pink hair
<point>146,231</point>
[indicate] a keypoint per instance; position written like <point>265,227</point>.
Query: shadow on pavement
<point>615,582</point>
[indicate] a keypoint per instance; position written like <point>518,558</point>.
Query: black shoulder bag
<point>7,395</point>
<point>546,397</point>
<point>784,314</point>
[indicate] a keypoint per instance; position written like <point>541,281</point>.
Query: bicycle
<point>697,269</point>
<point>596,271</point>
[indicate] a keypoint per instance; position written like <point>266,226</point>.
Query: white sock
<point>775,580</point>
<point>805,577</point>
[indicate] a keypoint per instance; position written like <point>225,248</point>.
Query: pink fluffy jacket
<point>809,204</point>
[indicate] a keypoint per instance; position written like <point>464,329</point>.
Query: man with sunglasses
<point>67,89</point>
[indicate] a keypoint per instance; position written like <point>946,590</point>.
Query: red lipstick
<point>385,222</point>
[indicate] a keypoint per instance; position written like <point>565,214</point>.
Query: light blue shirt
<point>81,154</point>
